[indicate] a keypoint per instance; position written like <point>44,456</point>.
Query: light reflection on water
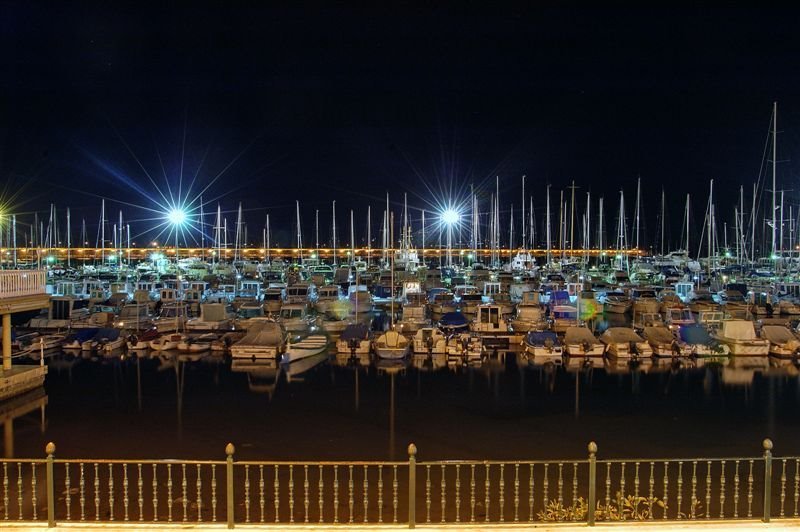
<point>332,407</point>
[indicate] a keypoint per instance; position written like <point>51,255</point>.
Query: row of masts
<point>713,239</point>
<point>742,245</point>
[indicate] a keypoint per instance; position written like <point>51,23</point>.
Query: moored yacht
<point>354,340</point>
<point>579,341</point>
<point>266,339</point>
<point>783,343</point>
<point>304,348</point>
<point>391,344</point>
<point>624,343</point>
<point>430,340</point>
<point>662,341</point>
<point>740,337</point>
<point>542,343</point>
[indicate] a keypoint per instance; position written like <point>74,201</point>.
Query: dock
<point>20,291</point>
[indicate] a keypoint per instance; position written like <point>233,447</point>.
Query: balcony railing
<point>19,283</point>
<point>440,492</point>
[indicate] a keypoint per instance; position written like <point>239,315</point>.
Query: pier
<point>20,291</point>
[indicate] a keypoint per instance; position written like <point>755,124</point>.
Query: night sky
<point>326,102</point>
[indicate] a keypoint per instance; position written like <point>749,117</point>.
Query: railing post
<point>50,449</point>
<point>229,450</point>
<point>592,504</point>
<point>412,485</point>
<point>767,479</point>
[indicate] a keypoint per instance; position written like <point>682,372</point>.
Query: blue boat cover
<point>356,331</point>
<point>453,320</point>
<point>84,334</point>
<point>540,337</point>
<point>695,334</point>
<point>381,291</point>
<point>107,333</point>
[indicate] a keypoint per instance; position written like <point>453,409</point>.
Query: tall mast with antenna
<point>774,163</point>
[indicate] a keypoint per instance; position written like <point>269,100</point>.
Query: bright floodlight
<point>450,217</point>
<point>176,216</point>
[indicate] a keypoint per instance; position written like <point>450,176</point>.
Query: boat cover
<point>695,335</point>
<point>83,335</point>
<point>453,320</point>
<point>660,335</point>
<point>266,333</point>
<point>107,333</point>
<point>621,334</point>
<point>559,295</point>
<point>212,312</point>
<point>780,335</point>
<point>356,331</point>
<point>539,338</point>
<point>738,330</point>
<point>579,335</point>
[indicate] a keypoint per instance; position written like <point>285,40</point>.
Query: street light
<point>177,218</point>
<point>449,218</point>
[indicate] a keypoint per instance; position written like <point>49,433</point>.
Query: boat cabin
<point>250,288</point>
<point>301,293</point>
<point>167,295</point>
<point>684,291</point>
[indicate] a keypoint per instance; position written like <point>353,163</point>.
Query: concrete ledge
<point>720,525</point>
<point>20,379</point>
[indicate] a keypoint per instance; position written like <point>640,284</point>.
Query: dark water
<point>151,407</point>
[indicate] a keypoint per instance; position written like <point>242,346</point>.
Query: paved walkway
<point>736,526</point>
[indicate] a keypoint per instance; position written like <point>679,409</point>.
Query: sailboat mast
<point>531,225</point>
<point>202,232</point>
<point>753,227</point>
<point>103,231</point>
<point>299,233</point>
<point>774,163</point>
<point>352,239</point>
<point>742,250</point>
<point>780,243</point>
<point>588,241</point>
<point>638,205</point>
<point>333,244</point>
<point>511,230</point>
<point>600,240</point>
<point>369,234</point>
<point>687,225</point>
<point>523,212</point>
<point>547,226</point>
<point>423,237</point>
<point>663,208</point>
<point>572,217</point>
<point>69,239</point>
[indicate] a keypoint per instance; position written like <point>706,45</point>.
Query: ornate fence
<point>441,492</point>
<point>19,283</point>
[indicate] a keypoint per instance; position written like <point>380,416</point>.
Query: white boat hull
<point>580,350</point>
<point>308,347</point>
<point>391,353</point>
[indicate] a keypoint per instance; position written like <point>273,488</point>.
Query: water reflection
<point>22,411</point>
<point>373,408</point>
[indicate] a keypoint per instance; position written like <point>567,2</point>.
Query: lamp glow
<point>176,216</point>
<point>450,217</point>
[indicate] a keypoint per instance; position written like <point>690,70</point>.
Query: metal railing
<point>409,491</point>
<point>19,283</point>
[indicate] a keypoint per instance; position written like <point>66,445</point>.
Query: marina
<point>455,266</point>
